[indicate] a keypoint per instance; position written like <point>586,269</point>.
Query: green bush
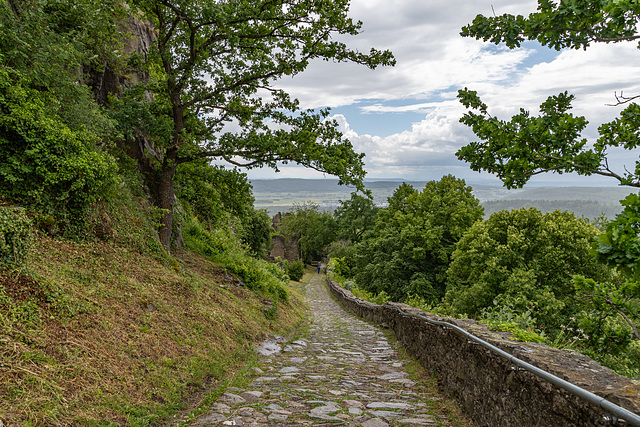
<point>47,164</point>
<point>222,248</point>
<point>295,270</point>
<point>16,235</point>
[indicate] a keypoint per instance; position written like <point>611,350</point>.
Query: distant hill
<point>279,195</point>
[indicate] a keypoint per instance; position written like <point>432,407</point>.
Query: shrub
<point>296,270</point>
<point>222,248</point>
<point>16,235</point>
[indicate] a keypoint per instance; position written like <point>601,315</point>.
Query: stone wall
<point>280,249</point>
<point>487,385</point>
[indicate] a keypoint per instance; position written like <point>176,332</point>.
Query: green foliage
<point>295,270</point>
<point>598,212</point>
<point>340,267</point>
<point>505,316</point>
<point>256,232</point>
<point>50,129</point>
<point>572,24</point>
<point>223,249</point>
<point>516,150</point>
<point>379,298</point>
<point>213,57</point>
<point>16,236</point>
<point>612,308</point>
<point>619,245</point>
<point>524,146</point>
<point>409,249</point>
<point>314,229</point>
<point>354,217</point>
<point>524,260</point>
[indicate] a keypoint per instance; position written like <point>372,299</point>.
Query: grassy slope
<point>96,334</point>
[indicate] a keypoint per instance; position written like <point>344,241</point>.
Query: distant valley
<point>280,195</point>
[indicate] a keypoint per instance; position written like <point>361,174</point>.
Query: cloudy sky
<point>406,118</point>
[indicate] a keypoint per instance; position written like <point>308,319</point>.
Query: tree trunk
<point>166,198</point>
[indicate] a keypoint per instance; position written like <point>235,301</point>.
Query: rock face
<point>487,385</point>
<point>105,81</point>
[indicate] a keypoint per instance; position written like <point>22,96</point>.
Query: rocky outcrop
<point>105,81</point>
<point>488,386</point>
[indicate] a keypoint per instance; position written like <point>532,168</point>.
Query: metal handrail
<point>613,412</point>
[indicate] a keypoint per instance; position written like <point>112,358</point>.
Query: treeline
<point>590,209</point>
<point>538,275</point>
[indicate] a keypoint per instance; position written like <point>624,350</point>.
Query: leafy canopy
<point>52,134</point>
<point>354,217</point>
<point>217,64</point>
<point>525,146</point>
<point>313,229</point>
<point>525,259</point>
<point>408,251</point>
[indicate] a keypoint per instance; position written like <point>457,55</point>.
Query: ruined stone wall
<point>282,250</point>
<point>487,385</point>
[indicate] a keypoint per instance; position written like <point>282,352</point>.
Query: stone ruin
<point>281,248</point>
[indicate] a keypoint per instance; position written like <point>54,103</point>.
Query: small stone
<point>251,396</point>
<point>392,376</point>
<point>417,422</point>
<point>297,360</point>
<point>287,378</point>
<point>375,422</point>
<point>232,399</point>
<point>316,377</point>
<point>247,412</point>
<point>336,392</point>
<point>220,407</point>
<point>278,417</point>
<point>352,404</point>
<point>323,412</point>
<point>355,411</point>
<point>274,407</point>
<point>265,379</point>
<point>233,422</point>
<point>300,343</point>
<point>209,419</point>
<point>389,405</point>
<point>257,370</point>
<point>289,370</point>
<point>386,414</point>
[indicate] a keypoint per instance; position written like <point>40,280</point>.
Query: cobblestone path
<point>344,372</point>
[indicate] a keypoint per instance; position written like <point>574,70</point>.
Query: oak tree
<point>517,149</point>
<point>217,63</point>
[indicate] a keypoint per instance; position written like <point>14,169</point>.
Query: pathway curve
<point>344,372</point>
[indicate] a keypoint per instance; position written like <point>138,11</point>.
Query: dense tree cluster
<point>203,87</point>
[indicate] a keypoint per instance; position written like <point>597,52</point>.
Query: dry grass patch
<point>96,334</point>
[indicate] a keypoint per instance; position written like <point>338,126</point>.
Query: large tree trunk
<point>166,199</point>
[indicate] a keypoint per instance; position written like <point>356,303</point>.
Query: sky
<point>406,118</point>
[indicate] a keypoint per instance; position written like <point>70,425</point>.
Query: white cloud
<point>433,62</point>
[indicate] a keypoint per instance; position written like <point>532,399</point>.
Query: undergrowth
<point>112,330</point>
<point>225,250</point>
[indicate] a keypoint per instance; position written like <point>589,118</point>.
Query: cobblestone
<point>344,372</point>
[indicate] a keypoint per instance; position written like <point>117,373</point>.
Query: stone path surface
<point>344,372</point>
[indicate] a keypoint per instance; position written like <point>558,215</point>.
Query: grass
<point>101,335</point>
